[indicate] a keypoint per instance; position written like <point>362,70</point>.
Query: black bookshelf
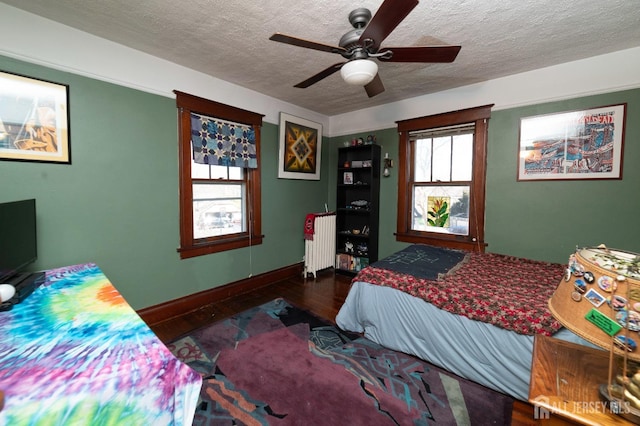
<point>357,207</point>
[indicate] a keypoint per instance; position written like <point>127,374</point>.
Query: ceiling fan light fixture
<point>359,72</point>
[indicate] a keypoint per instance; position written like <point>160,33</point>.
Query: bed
<point>473,314</point>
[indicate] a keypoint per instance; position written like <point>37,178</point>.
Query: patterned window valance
<point>223,143</point>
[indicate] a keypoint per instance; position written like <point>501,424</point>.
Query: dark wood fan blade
<point>421,54</point>
<point>295,41</point>
<point>322,74</point>
<point>387,18</point>
<point>375,87</point>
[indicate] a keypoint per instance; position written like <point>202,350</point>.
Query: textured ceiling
<point>230,40</point>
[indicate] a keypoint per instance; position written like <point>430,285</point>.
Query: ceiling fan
<point>362,43</point>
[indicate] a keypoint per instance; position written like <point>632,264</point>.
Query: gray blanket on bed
<point>422,261</point>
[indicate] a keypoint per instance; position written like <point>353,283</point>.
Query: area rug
<point>280,365</point>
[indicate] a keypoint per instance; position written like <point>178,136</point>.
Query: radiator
<point>320,242</point>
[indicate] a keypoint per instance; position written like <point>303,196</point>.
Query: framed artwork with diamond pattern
<point>300,148</point>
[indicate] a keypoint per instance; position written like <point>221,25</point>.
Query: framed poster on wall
<point>585,144</point>
<point>300,148</point>
<point>34,120</point>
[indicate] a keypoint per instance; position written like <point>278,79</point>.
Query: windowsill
<point>219,246</point>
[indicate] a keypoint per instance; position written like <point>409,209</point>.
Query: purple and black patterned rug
<point>280,365</point>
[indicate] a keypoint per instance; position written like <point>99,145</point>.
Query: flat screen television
<point>18,240</point>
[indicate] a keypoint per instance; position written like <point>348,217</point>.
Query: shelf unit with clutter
<point>357,202</point>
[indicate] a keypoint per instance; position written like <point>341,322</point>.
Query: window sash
<point>215,172</point>
<point>218,212</point>
<point>436,150</point>
<point>442,155</point>
<point>427,217</point>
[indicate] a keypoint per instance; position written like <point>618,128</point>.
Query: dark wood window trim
<point>475,240</point>
<point>188,246</point>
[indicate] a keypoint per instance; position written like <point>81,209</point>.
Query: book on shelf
<point>364,262</point>
<point>349,262</point>
<point>342,261</point>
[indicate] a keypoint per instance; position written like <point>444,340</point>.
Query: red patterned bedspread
<point>505,291</point>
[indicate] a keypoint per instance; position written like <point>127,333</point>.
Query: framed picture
<point>586,144</point>
<point>300,148</point>
<point>347,178</point>
<point>34,120</point>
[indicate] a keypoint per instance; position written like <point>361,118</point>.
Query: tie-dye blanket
<point>75,352</point>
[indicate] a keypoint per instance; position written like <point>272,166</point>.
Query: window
<point>219,199</point>
<point>441,181</point>
<point>219,206</point>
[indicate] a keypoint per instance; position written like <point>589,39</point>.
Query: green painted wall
<point>117,204</point>
<point>537,220</point>
<point>546,220</point>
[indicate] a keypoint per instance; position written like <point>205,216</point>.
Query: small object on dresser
<point>7,291</point>
<point>356,164</point>
<point>348,178</point>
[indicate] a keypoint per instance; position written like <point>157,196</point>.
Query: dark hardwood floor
<point>323,296</point>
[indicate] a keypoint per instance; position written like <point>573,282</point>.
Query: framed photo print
<point>585,144</point>
<point>347,178</point>
<point>34,120</point>
<point>300,148</point>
